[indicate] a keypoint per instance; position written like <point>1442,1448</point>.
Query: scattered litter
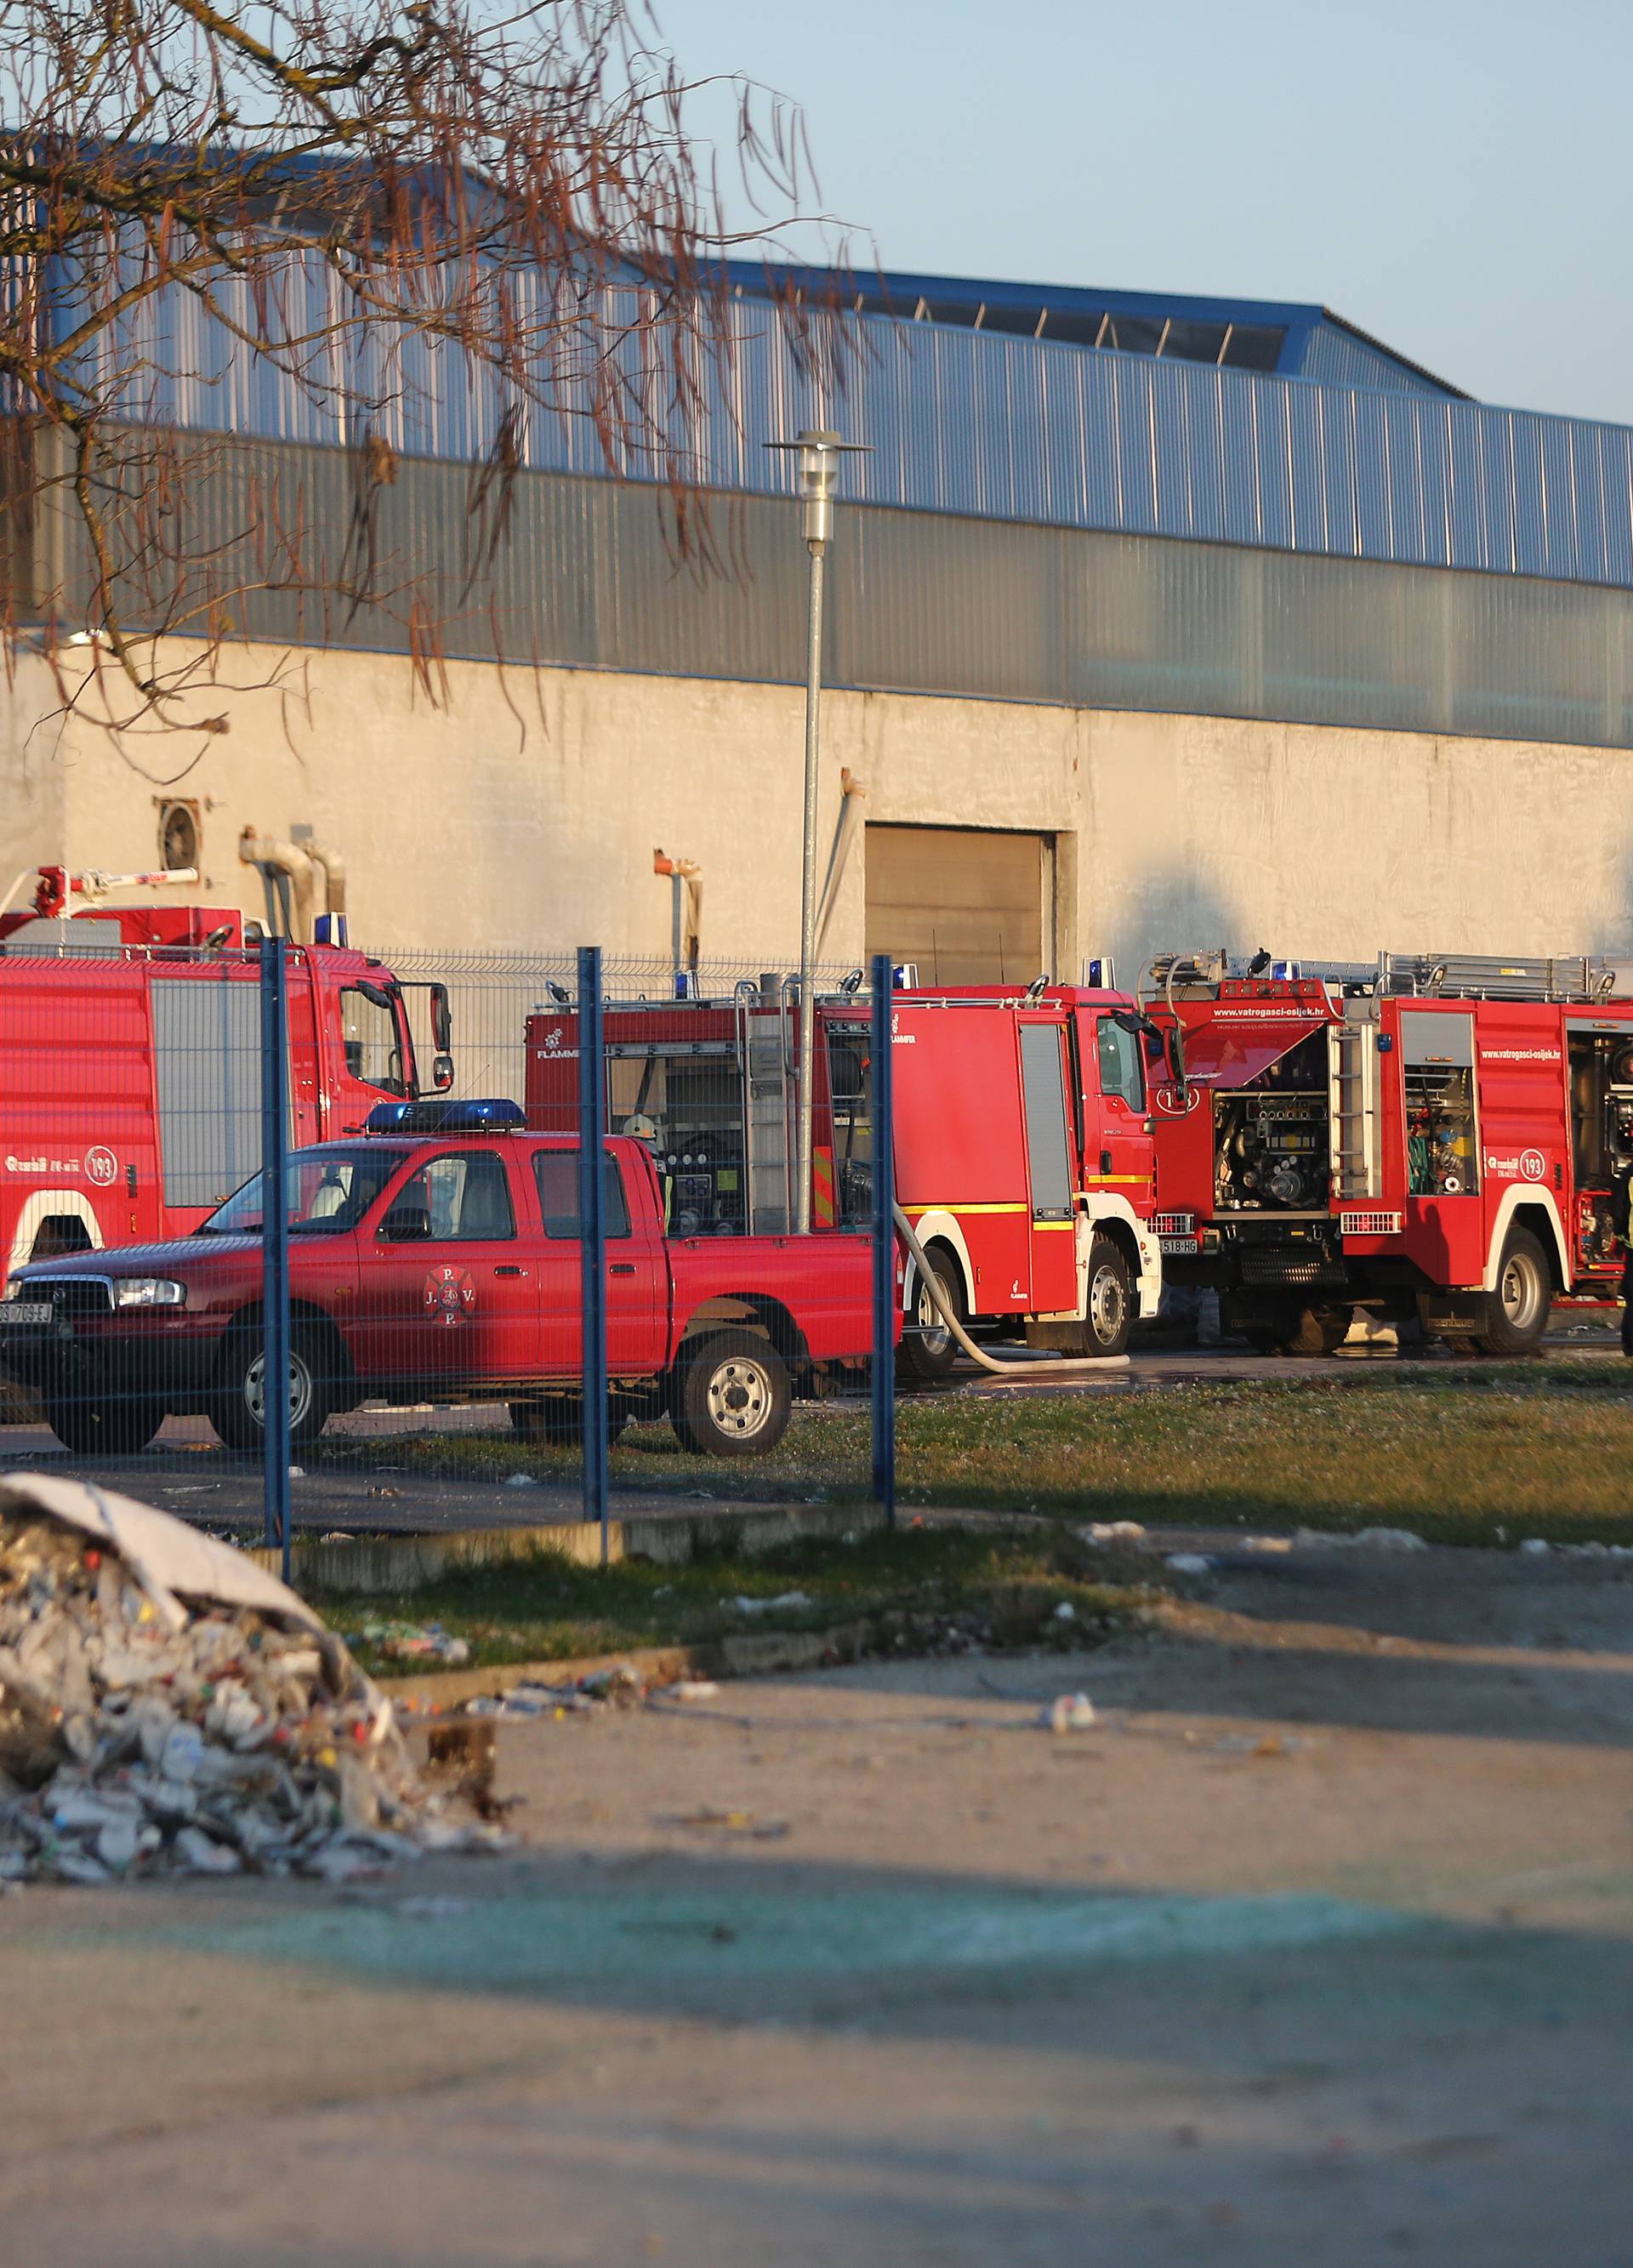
<point>1187,1562</point>
<point>167,1707</point>
<point>1066,1612</point>
<point>731,1823</point>
<point>1112,1531</point>
<point>521,1480</point>
<point>1364,1539</point>
<point>1266,1543</point>
<point>784,1599</point>
<point>692,1688</point>
<point>296,1472</point>
<point>1535,1547</point>
<point>1069,1712</point>
<point>337,1536</point>
<point>382,1489</point>
<point>415,1642</point>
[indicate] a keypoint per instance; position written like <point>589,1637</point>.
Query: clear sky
<point>1456,178</point>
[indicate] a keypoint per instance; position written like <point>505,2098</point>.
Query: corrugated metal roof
<point>986,425</point>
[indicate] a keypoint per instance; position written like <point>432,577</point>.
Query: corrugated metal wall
<point>586,575</point>
<point>979,424</point>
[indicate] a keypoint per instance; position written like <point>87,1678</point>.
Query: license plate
<point>24,1311</point>
<point>1178,1245</point>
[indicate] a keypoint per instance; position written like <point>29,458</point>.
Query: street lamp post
<point>818,454</point>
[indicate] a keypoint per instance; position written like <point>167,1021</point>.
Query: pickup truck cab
<point>440,1266</point>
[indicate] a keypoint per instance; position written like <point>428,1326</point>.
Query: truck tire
<point>556,1421</point>
<point>1108,1301</point>
<point>732,1397</point>
<point>116,1427</point>
<point>238,1407</point>
<point>1317,1331</point>
<point>1517,1312</point>
<point>929,1350</point>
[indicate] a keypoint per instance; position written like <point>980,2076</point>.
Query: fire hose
<point>932,1283</point>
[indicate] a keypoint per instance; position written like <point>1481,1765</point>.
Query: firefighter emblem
<point>450,1296</point>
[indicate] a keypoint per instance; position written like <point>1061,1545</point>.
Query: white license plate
<point>24,1311</point>
<point>1178,1245</point>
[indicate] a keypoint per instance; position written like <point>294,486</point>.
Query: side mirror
<point>442,1073</point>
<point>441,1025</point>
<point>1175,1046</point>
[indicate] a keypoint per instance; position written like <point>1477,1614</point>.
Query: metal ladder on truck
<point>1352,1109</point>
<point>765,1040</point>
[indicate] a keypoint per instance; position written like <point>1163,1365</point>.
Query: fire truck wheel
<point>1517,1311</point>
<point>929,1350</point>
<point>115,1428</point>
<point>734,1396</point>
<point>1108,1304</point>
<point>556,1421</point>
<point>1317,1331</point>
<point>238,1409</point>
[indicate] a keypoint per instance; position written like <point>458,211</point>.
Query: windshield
<point>327,1192</point>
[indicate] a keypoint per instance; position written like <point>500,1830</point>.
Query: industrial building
<point>1153,621</point>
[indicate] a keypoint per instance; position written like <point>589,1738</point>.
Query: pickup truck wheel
<point>117,1427</point>
<point>929,1350</point>
<point>238,1409</point>
<point>1108,1303</point>
<point>1517,1312</point>
<point>734,1397</point>
<point>556,1421</point>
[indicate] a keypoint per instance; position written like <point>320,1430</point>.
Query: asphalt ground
<point>188,1472</point>
<point>1316,1947</point>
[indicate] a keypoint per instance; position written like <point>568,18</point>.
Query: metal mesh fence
<point>431,1225</point>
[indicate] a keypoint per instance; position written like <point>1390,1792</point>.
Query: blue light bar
<point>498,1115</point>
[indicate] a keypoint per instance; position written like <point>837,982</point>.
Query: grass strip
<point>1474,1453</point>
<point>921,1588</point>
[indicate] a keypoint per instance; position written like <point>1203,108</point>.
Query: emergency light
<point>497,1116</point>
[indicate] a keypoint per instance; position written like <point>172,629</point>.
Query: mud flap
<point>1453,1314</point>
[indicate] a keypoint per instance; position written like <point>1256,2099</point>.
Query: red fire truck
<point>131,1066</point>
<point>1023,1142</point>
<point>1434,1135</point>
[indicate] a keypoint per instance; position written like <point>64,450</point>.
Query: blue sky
<point>1457,179</point>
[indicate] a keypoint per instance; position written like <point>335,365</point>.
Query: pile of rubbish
<point>415,1642</point>
<point>167,1707</point>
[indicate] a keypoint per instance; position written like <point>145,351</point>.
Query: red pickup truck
<point>440,1267</point>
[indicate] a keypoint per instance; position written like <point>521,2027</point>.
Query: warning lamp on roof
<point>499,1115</point>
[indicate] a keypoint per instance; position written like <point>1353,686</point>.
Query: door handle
<point>622,1267</point>
<point>1105,1161</point>
<point>508,1271</point>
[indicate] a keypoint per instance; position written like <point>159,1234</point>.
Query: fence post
<point>275,1241</point>
<point>883,1248</point>
<point>593,1235</point>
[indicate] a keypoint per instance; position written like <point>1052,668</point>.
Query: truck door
<point>1049,1166</point>
<point>1119,1148</point>
<point>637,1272</point>
<point>448,1295</point>
<point>1441,1139</point>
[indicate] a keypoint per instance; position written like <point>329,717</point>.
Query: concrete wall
<point>520,809</point>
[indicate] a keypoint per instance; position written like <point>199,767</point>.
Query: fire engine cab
<point>131,1061</point>
<point>1433,1135</point>
<point>1024,1140</point>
